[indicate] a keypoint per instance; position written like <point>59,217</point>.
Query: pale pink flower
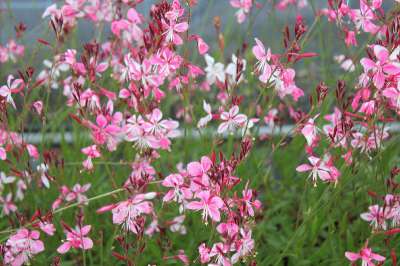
<point>202,46</point>
<point>393,94</point>
<point>263,58</point>
<point>249,203</point>
<point>204,252</point>
<point>22,246</point>
<point>368,143</point>
<point>5,180</point>
<point>377,216</point>
<point>382,68</point>
<point>209,204</point>
<point>283,4</point>
<point>8,204</point>
<point>204,120</point>
<point>345,63</point>
<point>48,228</point>
<point>167,61</point>
<point>310,131</point>
<point>38,106</point>
<point>283,80</point>
<point>232,70</point>
<point>232,120</point>
<point>147,74</point>
<point>228,229</point>
<point>368,108</point>
<point>77,193</point>
<point>32,151</point>
<point>44,177</point>
<point>155,125</point>
<point>76,238</point>
<point>91,152</point>
<point>141,171</point>
<point>366,256</point>
<point>270,118</point>
<point>172,30</point>
<point>244,246</point>
<point>244,7</point>
<point>181,256</point>
<point>198,170</point>
<point>319,169</point>
<point>3,153</point>
<point>127,212</point>
<point>180,192</point>
<point>177,225</point>
<point>152,228</point>
<point>364,17</point>
<point>13,86</point>
<point>219,251</point>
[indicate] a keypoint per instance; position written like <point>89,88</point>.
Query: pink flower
<point>13,86</point>
<point>168,61</point>
<point>38,106</point>
<point>103,131</point>
<point>202,46</point>
<point>3,153</point>
<point>157,126</point>
<point>180,191</point>
<point>76,239</point>
<point>244,246</point>
<point>232,120</point>
<point>284,82</point>
<point>172,30</point>
<point>270,118</point>
<point>48,228</point>
<point>366,256</point>
<point>128,212</point>
<point>393,94</point>
<point>77,193</point>
<point>363,18</point>
<point>319,168</point>
<point>146,74</point>
<point>22,246</point>
<point>310,131</point>
<point>181,256</point>
<point>199,170</point>
<point>209,204</point>
<point>8,205</point>
<point>263,58</point>
<point>142,171</point>
<point>32,151</point>
<point>377,216</point>
<point>368,108</point>
<point>249,203</point>
<point>382,67</point>
<point>351,38</point>
<point>204,252</point>
<point>91,152</point>
<point>244,7</point>
<point>177,225</point>
<point>228,230</point>
<point>219,251</point>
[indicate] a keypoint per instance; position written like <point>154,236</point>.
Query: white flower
<point>42,169</point>
<point>204,120</point>
<point>215,71</point>
<point>231,69</point>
